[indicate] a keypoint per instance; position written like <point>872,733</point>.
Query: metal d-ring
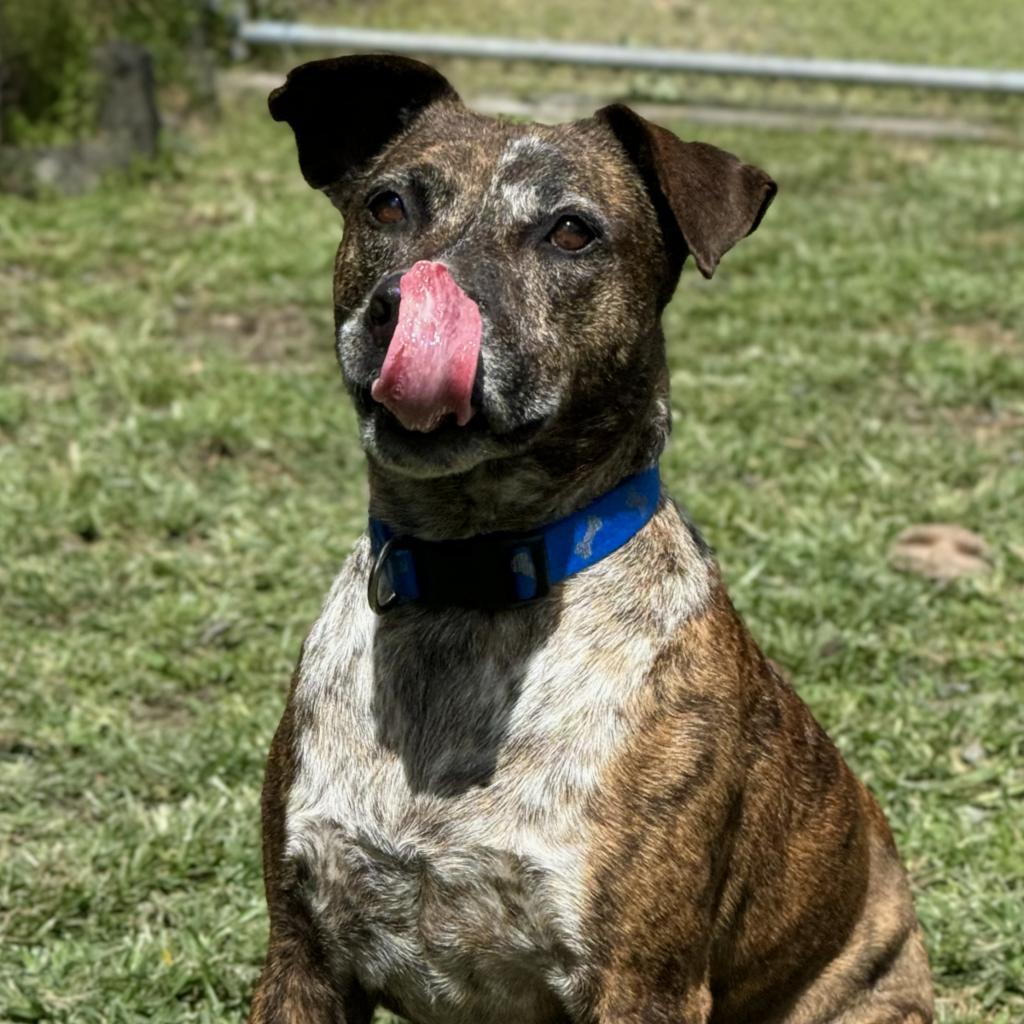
<point>373,587</point>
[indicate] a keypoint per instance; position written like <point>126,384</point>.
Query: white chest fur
<point>447,766</point>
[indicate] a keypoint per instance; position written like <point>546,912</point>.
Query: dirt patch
<point>998,238</point>
<point>161,712</point>
<point>29,359</point>
<point>981,424</point>
<point>271,336</point>
<point>169,710</point>
<point>15,274</point>
<point>984,424</point>
<point>987,336</point>
<point>940,551</point>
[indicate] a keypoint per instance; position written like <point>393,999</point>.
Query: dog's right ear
<point>345,110</point>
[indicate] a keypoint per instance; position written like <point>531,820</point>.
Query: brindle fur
<point>605,806</point>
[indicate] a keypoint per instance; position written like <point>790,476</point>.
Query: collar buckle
<point>379,574</point>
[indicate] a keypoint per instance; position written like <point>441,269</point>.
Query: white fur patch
<point>441,800</point>
<point>525,146</point>
<point>518,202</point>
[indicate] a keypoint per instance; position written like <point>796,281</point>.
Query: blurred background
<point>180,479</point>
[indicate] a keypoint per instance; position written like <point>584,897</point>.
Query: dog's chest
<point>440,807</point>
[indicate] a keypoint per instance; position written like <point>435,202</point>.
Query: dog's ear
<point>712,198</point>
<point>345,110</point>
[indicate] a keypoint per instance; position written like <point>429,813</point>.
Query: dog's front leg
<point>297,987</point>
<point>298,984</point>
<point>294,989</point>
<point>662,995</point>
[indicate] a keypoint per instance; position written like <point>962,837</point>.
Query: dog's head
<point>499,285</point>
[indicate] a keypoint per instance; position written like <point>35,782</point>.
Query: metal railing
<point>877,73</point>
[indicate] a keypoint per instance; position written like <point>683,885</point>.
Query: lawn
<point>179,481</point>
<point>975,33</point>
<point>966,32</point>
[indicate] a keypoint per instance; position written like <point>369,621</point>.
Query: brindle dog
<point>603,805</point>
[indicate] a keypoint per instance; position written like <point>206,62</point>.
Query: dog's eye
<point>387,208</point>
<point>571,235</point>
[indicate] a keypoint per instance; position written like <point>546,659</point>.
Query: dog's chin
<point>447,450</point>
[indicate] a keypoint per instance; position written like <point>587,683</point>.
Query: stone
<point>940,551</point>
<point>128,120</point>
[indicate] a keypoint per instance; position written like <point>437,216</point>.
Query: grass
<point>179,482</point>
<point>967,32</point>
<point>960,33</point>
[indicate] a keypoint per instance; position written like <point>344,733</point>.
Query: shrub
<point>48,86</point>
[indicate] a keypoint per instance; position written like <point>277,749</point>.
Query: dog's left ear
<point>345,110</point>
<point>712,198</point>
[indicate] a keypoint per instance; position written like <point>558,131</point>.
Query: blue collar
<point>501,570</point>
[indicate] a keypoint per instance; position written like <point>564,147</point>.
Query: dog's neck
<point>522,492</point>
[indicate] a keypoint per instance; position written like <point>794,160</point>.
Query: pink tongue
<point>431,361</point>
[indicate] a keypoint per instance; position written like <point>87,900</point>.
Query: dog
<point>533,768</point>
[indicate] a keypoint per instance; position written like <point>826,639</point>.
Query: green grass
<point>179,481</point>
<point>976,33</point>
<point>916,31</point>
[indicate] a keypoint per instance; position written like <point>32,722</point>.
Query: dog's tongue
<point>431,361</point>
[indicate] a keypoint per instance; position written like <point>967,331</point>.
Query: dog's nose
<point>382,312</point>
